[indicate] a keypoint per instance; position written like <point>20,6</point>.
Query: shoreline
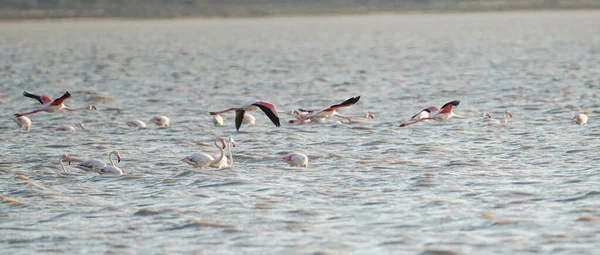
<point>295,15</point>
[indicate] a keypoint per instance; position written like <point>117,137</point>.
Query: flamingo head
<point>509,114</point>
<point>222,140</point>
<point>65,157</point>
<point>92,107</point>
<point>160,121</point>
<point>232,142</point>
<point>294,121</point>
<point>369,115</point>
<point>118,156</point>
<point>487,114</point>
<point>296,159</point>
<point>287,158</point>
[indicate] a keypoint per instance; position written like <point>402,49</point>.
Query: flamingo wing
<point>270,110</point>
<point>446,108</point>
<point>424,110</point>
<point>60,100</point>
<point>41,99</point>
<point>346,103</point>
<point>239,118</point>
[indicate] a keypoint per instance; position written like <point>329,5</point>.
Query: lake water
<point>530,186</point>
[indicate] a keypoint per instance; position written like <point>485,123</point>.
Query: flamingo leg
<point>28,113</point>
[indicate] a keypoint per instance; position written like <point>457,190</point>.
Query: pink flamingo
<point>303,116</point>
<point>426,113</point>
<point>240,112</point>
<point>202,160</point>
<point>445,113</point>
<point>487,118</point>
<point>50,106</point>
<point>136,123</point>
<point>296,159</point>
<point>97,164</point>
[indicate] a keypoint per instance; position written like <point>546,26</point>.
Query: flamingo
<point>71,128</point>
<point>161,121</point>
<point>202,160</point>
<point>218,120</point>
<point>224,162</point>
<point>487,118</point>
<point>580,119</point>
<point>425,113</point>
<point>64,157</point>
<point>97,164</point>
<point>240,112</point>
<point>303,116</point>
<point>296,159</point>
<point>136,123</point>
<point>444,114</point>
<point>50,106</point>
<point>249,120</point>
<point>23,122</point>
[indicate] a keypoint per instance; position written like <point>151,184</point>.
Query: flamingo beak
<point>223,143</point>
<point>118,159</point>
<point>509,114</point>
<point>369,115</point>
<point>93,107</point>
<point>69,159</point>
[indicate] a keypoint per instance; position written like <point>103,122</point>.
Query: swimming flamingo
<point>487,118</point>
<point>110,170</point>
<point>71,128</point>
<point>445,113</point>
<point>224,162</point>
<point>96,164</point>
<point>23,122</point>
<point>218,120</point>
<point>580,119</point>
<point>203,160</point>
<point>161,121</point>
<point>136,123</point>
<point>50,106</point>
<point>64,157</point>
<point>303,116</point>
<point>296,159</point>
<point>240,112</point>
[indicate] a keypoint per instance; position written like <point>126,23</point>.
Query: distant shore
<point>73,9</point>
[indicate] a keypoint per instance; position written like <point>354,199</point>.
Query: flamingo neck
<point>61,165</point>
<point>110,158</point>
<point>220,156</point>
<point>224,111</point>
<point>230,163</point>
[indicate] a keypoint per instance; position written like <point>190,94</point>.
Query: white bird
<point>487,118</point>
<point>71,128</point>
<point>64,157</point>
<point>110,170</point>
<point>202,160</point>
<point>224,162</point>
<point>296,159</point>
<point>161,121</point>
<point>240,112</point>
<point>218,120</point>
<point>249,119</point>
<point>96,164</point>
<point>445,113</point>
<point>580,119</point>
<point>23,122</point>
<point>136,123</point>
<point>50,106</point>
<point>303,116</point>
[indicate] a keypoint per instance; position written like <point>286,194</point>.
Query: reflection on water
<point>457,187</point>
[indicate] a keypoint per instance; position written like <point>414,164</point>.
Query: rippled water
<point>456,187</point>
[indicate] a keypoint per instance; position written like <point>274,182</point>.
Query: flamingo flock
<point>222,160</point>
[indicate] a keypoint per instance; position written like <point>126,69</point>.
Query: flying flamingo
<point>202,160</point>
<point>23,122</point>
<point>161,121</point>
<point>50,106</point>
<point>224,162</point>
<point>64,157</point>
<point>296,159</point>
<point>580,119</point>
<point>445,113</point>
<point>303,116</point>
<point>96,164</point>
<point>71,128</point>
<point>240,112</point>
<point>136,123</point>
<point>425,113</point>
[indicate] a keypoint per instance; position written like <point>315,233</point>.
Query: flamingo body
<point>580,119</point>
<point>304,116</point>
<point>161,121</point>
<point>50,106</point>
<point>202,160</point>
<point>71,128</point>
<point>23,122</point>
<point>96,164</point>
<point>110,170</point>
<point>296,159</point>
<point>218,120</point>
<point>136,123</point>
<point>445,113</point>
